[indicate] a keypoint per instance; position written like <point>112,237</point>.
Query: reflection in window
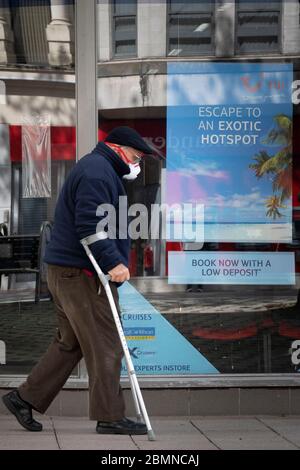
<point>124,27</point>
<point>258,27</point>
<point>190,28</point>
<point>29,23</point>
<point>38,33</point>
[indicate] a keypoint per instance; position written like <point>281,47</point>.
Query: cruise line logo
<point>136,353</point>
<point>139,334</point>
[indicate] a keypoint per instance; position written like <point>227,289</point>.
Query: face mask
<point>135,170</point>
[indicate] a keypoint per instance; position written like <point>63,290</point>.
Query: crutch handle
<point>104,279</point>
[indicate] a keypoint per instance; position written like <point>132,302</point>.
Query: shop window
<point>124,27</point>
<point>190,26</point>
<point>258,27</point>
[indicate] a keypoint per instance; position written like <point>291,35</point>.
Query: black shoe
<point>22,411</point>
<point>124,426</point>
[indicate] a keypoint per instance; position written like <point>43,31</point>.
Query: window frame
<point>116,55</point>
<point>258,8</point>
<point>201,11</point>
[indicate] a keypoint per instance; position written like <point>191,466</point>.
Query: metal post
<point>86,76</point>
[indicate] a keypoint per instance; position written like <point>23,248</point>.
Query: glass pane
<point>125,47</point>
<point>125,8</point>
<point>125,35</point>
<point>243,169</point>
<point>27,330</point>
<point>264,22</point>
<point>125,28</point>
<point>194,6</point>
<point>237,342</point>
<point>29,23</point>
<point>265,44</point>
<point>257,5</point>
<point>258,32</point>
<point>190,34</point>
<point>190,47</point>
<point>37,151</point>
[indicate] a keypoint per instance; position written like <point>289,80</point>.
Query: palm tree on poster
<point>278,166</point>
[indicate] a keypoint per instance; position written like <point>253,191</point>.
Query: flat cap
<point>129,137</point>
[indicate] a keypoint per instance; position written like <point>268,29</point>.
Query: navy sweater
<point>96,179</point>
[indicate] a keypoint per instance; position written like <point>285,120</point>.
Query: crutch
<point>135,388</point>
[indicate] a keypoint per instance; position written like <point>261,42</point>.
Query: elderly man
<point>85,323</point>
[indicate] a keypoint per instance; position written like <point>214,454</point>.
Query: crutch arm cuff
<point>94,238</point>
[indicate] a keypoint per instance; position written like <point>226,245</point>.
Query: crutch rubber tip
<point>151,436</point>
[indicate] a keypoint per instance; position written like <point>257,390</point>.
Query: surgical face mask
<point>135,170</point>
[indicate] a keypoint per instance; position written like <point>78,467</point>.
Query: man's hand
<point>119,274</point>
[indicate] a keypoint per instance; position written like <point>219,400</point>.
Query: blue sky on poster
<point>218,174</point>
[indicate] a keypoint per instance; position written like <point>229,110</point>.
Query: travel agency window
<point>38,149</point>
<point>215,271</point>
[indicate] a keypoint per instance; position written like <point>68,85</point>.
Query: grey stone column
<point>152,29</point>
<point>225,28</point>
<point>6,36</point>
<point>60,35</point>
<point>291,27</point>
<point>104,33</point>
<point>86,72</point>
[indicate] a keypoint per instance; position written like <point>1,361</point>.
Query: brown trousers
<point>85,328</point>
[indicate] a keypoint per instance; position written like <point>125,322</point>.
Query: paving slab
<point>95,442</point>
<point>287,427</point>
<point>13,437</point>
<point>21,442</point>
<point>80,434</point>
<point>239,433</point>
<point>174,433</point>
<point>10,425</point>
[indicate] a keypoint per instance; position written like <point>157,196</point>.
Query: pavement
<point>172,433</point>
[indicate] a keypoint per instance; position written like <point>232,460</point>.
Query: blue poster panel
<point>229,147</point>
<point>156,347</point>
